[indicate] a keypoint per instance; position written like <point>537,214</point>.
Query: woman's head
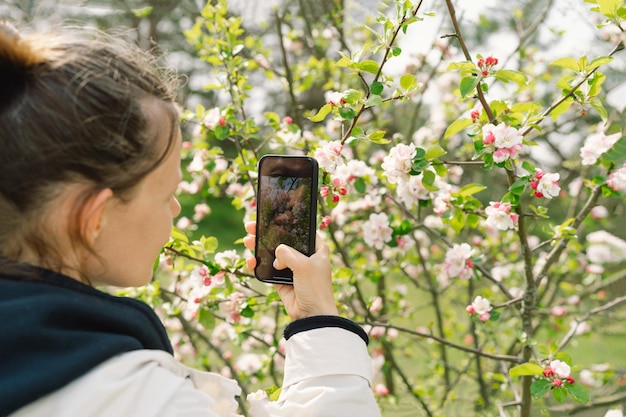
<point>83,117</point>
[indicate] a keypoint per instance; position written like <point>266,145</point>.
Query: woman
<point>89,150</point>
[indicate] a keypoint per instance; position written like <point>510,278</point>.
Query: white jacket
<point>327,373</point>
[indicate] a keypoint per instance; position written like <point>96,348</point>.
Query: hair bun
<point>16,58</point>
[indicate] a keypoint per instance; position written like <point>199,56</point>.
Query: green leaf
<point>566,62</point>
<point>617,153</point>
<point>377,87</point>
<point>462,65</point>
<point>470,189</point>
<point>539,388</point>
<point>322,113</point>
<point>247,312</point>
<point>408,81</point>
<point>509,75</point>
<point>351,96</point>
<point>526,369</point>
<point>395,51</point>
<point>209,243</point>
<point>206,318</point>
<point>528,167</point>
<point>142,12</point>
<point>359,185</point>
<point>609,7</point>
<point>457,222</point>
<point>272,118</point>
<point>559,394</point>
<point>418,165</point>
<point>518,187</point>
<point>378,137</point>
<point>457,126</point>
<point>433,152</point>
<point>221,132</point>
<point>441,169</point>
<point>272,297</point>
<point>273,393</point>
<point>374,101</point>
<point>597,104</point>
<point>561,108</point>
<point>428,178</point>
<point>344,62</point>
<point>369,66</point>
<point>468,84</point>
<point>347,113</point>
<point>578,393</point>
<point>472,222</point>
<point>527,107</point>
<point>598,61</point>
<point>177,234</point>
<point>404,228</point>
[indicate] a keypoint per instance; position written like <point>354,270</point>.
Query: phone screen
<point>286,211</point>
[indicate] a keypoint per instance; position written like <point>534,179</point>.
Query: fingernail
<point>274,263</point>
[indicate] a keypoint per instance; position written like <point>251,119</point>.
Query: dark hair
<point>71,112</point>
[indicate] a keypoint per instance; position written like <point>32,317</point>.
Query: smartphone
<point>286,211</point>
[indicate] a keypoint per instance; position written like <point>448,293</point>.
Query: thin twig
<point>572,332</point>
<point>506,358</point>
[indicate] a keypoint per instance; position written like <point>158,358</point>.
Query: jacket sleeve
<point>327,372</point>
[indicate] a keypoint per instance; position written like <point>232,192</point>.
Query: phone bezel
<point>283,165</point>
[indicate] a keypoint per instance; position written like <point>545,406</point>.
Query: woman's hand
<point>312,292</point>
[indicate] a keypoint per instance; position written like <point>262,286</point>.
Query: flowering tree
<point>474,248</point>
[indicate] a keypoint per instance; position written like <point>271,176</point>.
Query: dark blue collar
<point>55,329</point>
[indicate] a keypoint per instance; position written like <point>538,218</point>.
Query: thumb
<point>286,257</point>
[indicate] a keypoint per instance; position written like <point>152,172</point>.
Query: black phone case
<point>290,167</point>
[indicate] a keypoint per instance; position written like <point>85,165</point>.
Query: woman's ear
<point>93,215</point>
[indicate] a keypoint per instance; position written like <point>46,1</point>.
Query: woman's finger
<point>250,227</point>
<point>248,242</point>
<point>251,263</point>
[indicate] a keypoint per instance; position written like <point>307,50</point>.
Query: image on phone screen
<point>286,209</point>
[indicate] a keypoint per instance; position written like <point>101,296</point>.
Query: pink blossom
<point>561,369</point>
<point>558,311</point>
<point>184,223</point>
<point>200,211</point>
<point>499,215</point>
<point>380,389</point>
<point>458,262</point>
<point>397,164</point>
<point>329,156</point>
<point>197,163</point>
<point>501,155</point>
<point>412,190</point>
<point>548,184</point>
<point>377,305</point>
<point>505,141</point>
<point>376,231</point>
<point>227,258</point>
<point>599,212</point>
<point>617,180</point>
<point>604,247</point>
<point>481,305</point>
<point>212,118</point>
<point>325,222</point>
<point>595,145</point>
<point>548,372</point>
<point>334,97</point>
<point>502,136</point>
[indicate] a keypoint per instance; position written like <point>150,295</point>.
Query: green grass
<point>224,222</point>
